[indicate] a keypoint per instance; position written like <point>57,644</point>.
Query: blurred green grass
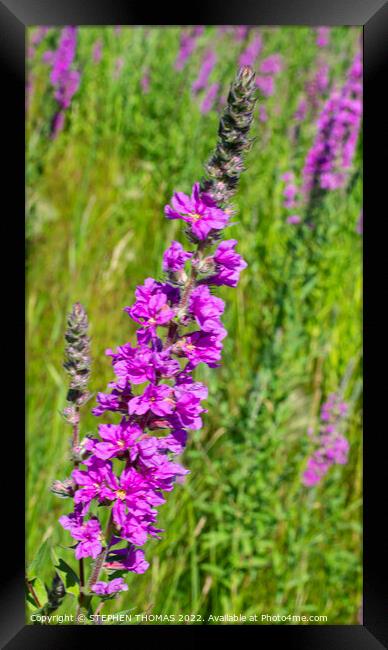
<point>242,534</point>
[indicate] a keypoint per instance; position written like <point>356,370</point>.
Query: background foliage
<point>242,534</point>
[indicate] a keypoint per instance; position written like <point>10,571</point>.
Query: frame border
<point>15,16</point>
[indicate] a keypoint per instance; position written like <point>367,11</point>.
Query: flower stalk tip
<point>77,355</point>
<point>223,170</point>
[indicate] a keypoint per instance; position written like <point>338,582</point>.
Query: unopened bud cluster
<point>77,361</point>
<point>225,166</point>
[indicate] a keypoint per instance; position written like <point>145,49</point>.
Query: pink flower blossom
<point>109,588</point>
<point>199,210</point>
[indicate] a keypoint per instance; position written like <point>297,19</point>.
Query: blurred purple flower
<point>263,115</point>
<point>35,38</point>
<point>188,42</point>
<point>63,77</point>
<point>97,51</point>
<point>119,64</point>
<point>145,81</point>
<point>208,63</point>
<point>323,36</point>
<point>332,447</point>
<point>329,160</point>
<point>250,54</point>
<point>294,219</point>
<point>210,97</point>
<point>266,85</point>
<point>240,32</point>
<point>271,65</point>
<point>359,226</point>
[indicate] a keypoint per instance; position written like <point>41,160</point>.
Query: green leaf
<point>68,607</point>
<point>212,569</point>
<point>67,574</point>
<point>39,563</point>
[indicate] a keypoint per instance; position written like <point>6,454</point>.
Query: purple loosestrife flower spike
<point>145,81</point>
<point>187,46</point>
<point>249,56</point>
<point>63,78</point>
<point>208,63</point>
<point>240,32</point>
<point>97,51</point>
<point>329,160</point>
<point>331,447</point>
<point>127,469</point>
<point>119,64</point>
<point>210,98</point>
<point>224,167</point>
<point>323,36</point>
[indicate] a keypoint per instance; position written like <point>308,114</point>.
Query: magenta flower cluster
<point>187,45</point>
<point>267,69</point>
<point>292,198</point>
<point>332,447</point>
<point>145,81</point>
<point>208,62</point>
<point>317,86</point>
<point>251,52</point>
<point>199,211</point>
<point>329,160</point>
<point>239,32</point>
<point>210,97</point>
<point>35,39</point>
<point>97,51</point>
<point>201,83</point>
<point>118,66</point>
<point>315,92</point>
<point>323,36</point>
<point>128,468</point>
<point>63,77</point>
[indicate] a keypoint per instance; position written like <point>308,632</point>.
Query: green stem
<point>97,568</point>
<point>81,581</point>
<point>75,443</point>
<point>33,594</point>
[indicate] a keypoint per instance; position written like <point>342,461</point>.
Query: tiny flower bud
<point>63,489</point>
<point>206,265</point>
<point>83,450</point>
<point>71,415</point>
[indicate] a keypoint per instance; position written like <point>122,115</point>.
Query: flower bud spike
<point>225,165</point>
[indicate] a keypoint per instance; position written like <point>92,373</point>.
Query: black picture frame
<point>15,17</point>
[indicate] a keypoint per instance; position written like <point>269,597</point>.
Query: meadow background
<point>243,534</point>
